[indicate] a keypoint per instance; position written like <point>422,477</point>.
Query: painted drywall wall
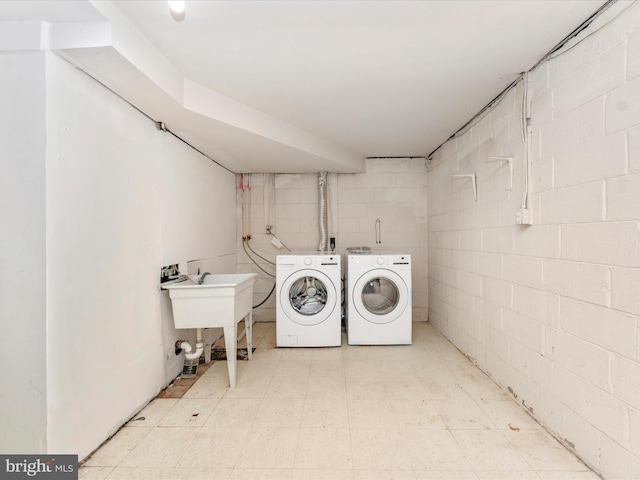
<point>198,224</point>
<point>96,213</point>
<point>104,357</point>
<point>22,254</point>
<point>123,199</point>
<point>551,310</point>
<point>392,190</point>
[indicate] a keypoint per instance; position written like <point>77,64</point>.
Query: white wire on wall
<point>555,52</point>
<point>524,215</point>
<point>562,47</point>
<point>244,185</point>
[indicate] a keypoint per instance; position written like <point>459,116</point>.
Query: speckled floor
<point>420,411</point>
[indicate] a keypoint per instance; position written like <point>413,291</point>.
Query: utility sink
<point>221,301</point>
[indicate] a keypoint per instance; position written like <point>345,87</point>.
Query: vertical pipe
<point>322,210</point>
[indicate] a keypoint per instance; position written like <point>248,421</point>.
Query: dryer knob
<point>380,260</point>
<point>307,261</point>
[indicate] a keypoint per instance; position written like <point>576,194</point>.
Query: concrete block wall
<point>552,311</point>
<point>392,190</point>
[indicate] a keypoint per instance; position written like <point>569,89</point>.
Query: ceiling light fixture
<point>176,6</point>
<point>177,9</point>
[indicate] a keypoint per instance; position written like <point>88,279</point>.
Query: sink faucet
<point>201,280</point>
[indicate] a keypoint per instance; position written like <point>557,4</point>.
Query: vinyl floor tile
<point>410,412</point>
<point>379,449</point>
<point>324,448</point>
<point>189,412</point>
<point>118,447</point>
<point>161,448</point>
<point>234,413</point>
<point>269,448</point>
<point>214,448</point>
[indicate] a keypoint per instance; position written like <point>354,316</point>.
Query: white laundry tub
<point>221,301</point>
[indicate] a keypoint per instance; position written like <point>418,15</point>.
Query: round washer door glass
<point>380,296</point>
<point>308,295</point>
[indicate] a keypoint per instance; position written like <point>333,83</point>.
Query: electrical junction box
<point>523,216</point>
<point>169,272</point>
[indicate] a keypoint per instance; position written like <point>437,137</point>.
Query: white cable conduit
<point>268,199</point>
<point>525,131</point>
<point>556,51</point>
<point>245,198</point>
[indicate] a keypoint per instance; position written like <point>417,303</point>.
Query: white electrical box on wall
<point>523,216</point>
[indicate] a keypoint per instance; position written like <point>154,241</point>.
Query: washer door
<point>308,297</point>
<point>380,296</point>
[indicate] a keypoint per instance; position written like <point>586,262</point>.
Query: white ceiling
<point>304,86</point>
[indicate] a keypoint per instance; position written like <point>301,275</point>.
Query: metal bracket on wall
<point>510,161</point>
<point>472,176</point>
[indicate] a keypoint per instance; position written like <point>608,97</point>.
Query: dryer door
<point>380,296</point>
<point>308,297</point>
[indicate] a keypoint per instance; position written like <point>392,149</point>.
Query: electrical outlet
<point>332,243</point>
<point>523,216</point>
<point>169,272</point>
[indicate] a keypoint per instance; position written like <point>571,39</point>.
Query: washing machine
<point>308,311</point>
<point>378,286</point>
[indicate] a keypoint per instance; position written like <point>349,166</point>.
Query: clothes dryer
<point>308,312</point>
<point>378,286</point>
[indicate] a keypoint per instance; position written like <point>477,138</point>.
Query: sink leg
<point>248,326</point>
<point>231,345</point>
